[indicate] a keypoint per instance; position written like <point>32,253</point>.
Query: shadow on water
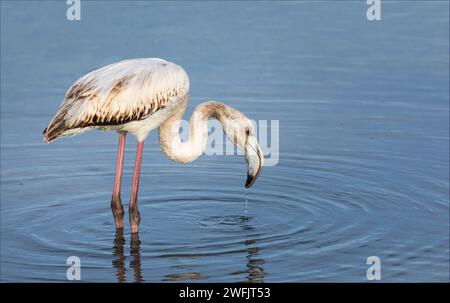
<point>119,262</point>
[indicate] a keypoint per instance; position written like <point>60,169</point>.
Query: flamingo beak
<point>255,160</point>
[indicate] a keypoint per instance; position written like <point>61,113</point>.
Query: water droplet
<point>246,201</point>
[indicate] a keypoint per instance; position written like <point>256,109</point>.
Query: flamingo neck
<point>191,149</point>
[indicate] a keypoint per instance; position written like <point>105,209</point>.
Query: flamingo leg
<point>116,203</point>
<point>133,209</point>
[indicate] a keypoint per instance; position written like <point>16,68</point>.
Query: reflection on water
<point>254,270</point>
<point>118,251</point>
<point>135,261</point>
<point>184,277</point>
<point>253,267</point>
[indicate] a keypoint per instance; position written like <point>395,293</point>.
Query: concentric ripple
<point>306,227</point>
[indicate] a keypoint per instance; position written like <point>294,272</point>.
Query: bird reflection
<point>135,252</point>
<point>255,271</point>
<point>119,262</point>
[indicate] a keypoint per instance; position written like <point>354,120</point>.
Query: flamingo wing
<point>122,92</point>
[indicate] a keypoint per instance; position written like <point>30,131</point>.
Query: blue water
<point>363,109</point>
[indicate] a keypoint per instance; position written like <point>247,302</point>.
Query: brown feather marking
<point>81,90</point>
<point>56,127</point>
<point>101,118</point>
<point>74,91</point>
<point>117,88</point>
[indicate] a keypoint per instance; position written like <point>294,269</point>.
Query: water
<point>246,202</point>
<point>364,144</point>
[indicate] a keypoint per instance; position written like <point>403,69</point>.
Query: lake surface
<point>363,110</point>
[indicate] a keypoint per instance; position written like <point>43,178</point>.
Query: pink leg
<point>134,211</point>
<point>116,203</point>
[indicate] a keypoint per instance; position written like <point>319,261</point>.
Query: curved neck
<point>191,149</point>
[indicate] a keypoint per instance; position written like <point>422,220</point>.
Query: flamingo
<point>137,96</point>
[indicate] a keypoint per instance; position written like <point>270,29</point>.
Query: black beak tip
<point>249,182</point>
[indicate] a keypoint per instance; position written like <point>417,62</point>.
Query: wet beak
<point>255,160</point>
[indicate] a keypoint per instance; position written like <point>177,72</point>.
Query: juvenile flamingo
<point>136,96</point>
